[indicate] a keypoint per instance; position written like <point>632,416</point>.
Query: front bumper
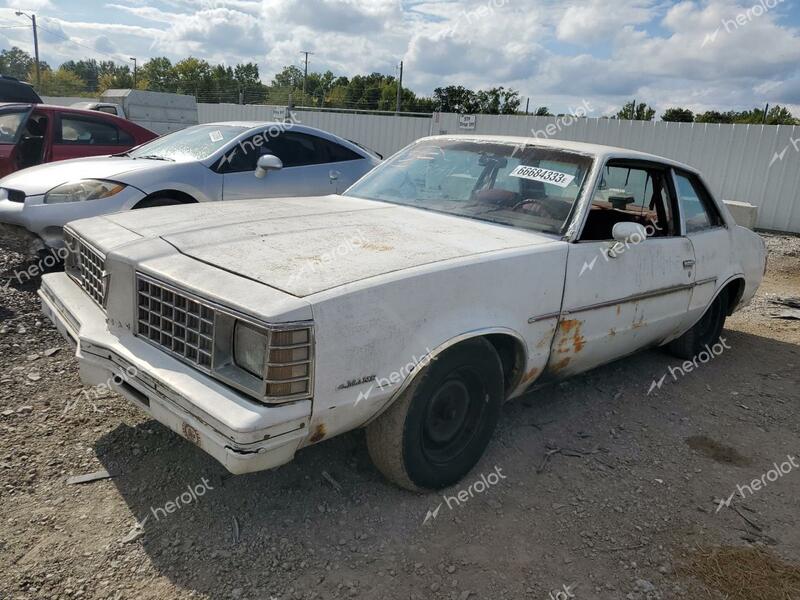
<point>46,221</point>
<point>243,435</point>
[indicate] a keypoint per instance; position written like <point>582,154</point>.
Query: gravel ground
<point>604,491</point>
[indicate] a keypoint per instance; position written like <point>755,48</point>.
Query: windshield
<point>192,143</point>
<point>532,187</point>
<point>10,124</point>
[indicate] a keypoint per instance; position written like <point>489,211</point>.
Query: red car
<point>31,134</point>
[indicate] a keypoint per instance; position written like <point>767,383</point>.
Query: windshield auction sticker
<point>215,135</point>
<point>544,175</point>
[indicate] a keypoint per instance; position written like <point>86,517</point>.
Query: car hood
<point>42,178</point>
<point>303,246</point>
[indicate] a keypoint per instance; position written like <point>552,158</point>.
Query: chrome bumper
<point>242,435</point>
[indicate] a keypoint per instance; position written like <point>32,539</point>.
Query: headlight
<point>250,349</point>
<point>281,358</point>
<point>88,189</point>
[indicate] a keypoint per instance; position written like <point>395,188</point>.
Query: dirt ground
<point>601,490</point>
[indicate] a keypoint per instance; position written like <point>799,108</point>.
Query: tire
<point>156,202</point>
<point>705,332</point>
<point>439,427</point>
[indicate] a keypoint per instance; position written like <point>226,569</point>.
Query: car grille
<point>86,266</point>
<point>175,321</point>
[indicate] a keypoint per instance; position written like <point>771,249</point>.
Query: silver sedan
<point>204,163</point>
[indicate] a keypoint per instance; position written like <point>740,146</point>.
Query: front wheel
<point>705,332</point>
<point>438,429</point>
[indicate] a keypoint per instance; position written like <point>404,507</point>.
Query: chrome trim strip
<point>544,317</point>
<point>631,298</point>
<point>705,281</point>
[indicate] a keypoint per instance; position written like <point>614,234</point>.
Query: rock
<point>34,376</point>
<point>51,351</point>
<point>25,410</point>
<point>645,585</point>
<point>89,477</point>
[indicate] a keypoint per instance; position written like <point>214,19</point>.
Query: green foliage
<point>18,63</point>
<point>636,112</point>
<point>494,101</point>
<point>678,115</point>
<point>543,111</point>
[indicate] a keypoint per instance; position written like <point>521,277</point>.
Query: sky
<point>596,54</point>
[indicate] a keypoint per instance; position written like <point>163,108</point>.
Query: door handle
<point>334,175</point>
<point>688,263</point>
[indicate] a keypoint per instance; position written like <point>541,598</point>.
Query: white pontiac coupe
<point>458,274</point>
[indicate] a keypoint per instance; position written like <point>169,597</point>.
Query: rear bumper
<point>242,435</point>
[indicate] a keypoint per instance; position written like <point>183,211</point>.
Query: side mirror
<point>628,232</point>
<point>266,163</point>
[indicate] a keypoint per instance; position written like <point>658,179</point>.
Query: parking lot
<point>605,486</point>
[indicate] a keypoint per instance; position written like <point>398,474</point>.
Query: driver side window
<point>631,192</point>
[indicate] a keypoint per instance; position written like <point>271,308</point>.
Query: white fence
<point>759,164</point>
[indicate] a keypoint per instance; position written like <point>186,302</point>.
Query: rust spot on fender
<point>530,375</point>
<point>639,323</point>
<point>570,332</point>
<point>619,308</point>
<point>612,332</point>
<point>319,433</point>
<point>560,364</point>
<point>546,338</point>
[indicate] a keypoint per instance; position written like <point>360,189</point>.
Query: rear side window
<point>11,124</point>
<point>698,209</point>
<point>85,130</point>
<point>336,152</point>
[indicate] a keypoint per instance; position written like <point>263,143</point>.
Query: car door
<point>78,135</point>
<point>710,238</point>
<point>306,170</point>
<point>620,297</point>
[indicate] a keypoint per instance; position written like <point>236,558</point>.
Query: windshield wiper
<point>155,157</point>
<point>126,153</point>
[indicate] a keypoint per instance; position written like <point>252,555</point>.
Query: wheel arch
<point>182,197</point>
<point>509,345</point>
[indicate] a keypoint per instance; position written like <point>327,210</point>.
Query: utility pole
<point>133,58</point>
<point>766,110</point>
<point>305,73</point>
<point>399,88</point>
<point>527,105</point>
<point>35,46</point>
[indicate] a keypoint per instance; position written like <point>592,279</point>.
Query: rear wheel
<point>705,332</point>
<point>438,429</point>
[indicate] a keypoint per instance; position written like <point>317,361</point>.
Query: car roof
<point>253,126</point>
<point>601,151</point>
<point>59,108</point>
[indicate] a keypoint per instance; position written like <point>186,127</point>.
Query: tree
<point>61,83</point>
<point>636,112</point>
<point>713,116</point>
<point>159,73</point>
<point>18,63</point>
<point>455,99</point>
<point>678,115</point>
<point>543,111</point>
